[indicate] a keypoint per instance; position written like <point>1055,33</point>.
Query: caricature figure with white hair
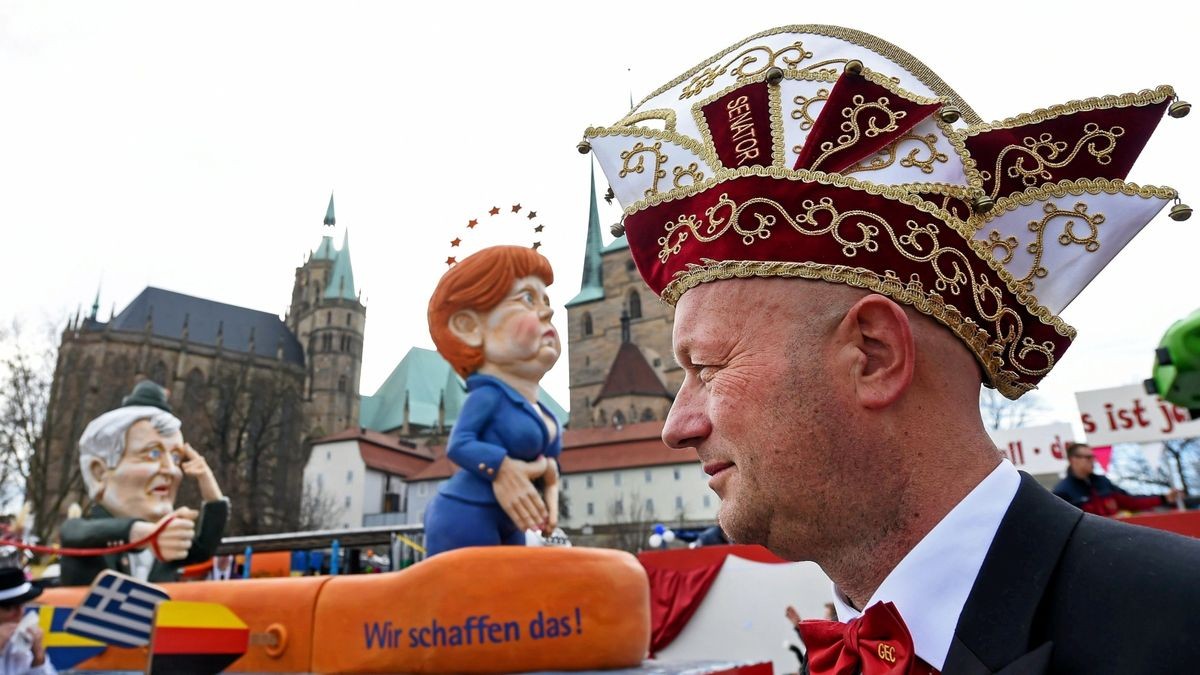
<point>133,459</point>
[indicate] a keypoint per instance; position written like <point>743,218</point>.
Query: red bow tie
<point>876,643</point>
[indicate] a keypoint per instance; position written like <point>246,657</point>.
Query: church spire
<point>96,304</point>
<point>592,287</point>
<point>341,281</point>
<point>330,220</point>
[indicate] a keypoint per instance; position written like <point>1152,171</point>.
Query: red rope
<point>151,539</point>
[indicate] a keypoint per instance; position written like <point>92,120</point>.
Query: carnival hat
<point>15,589</point>
<point>147,393</point>
<point>827,153</point>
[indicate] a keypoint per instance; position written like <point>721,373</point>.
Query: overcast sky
<point>193,146</point>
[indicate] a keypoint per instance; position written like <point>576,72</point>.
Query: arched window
<point>618,419</point>
<point>342,384</point>
<point>635,305</point>
<point>349,319</point>
<point>328,318</point>
<point>587,323</point>
<point>647,415</point>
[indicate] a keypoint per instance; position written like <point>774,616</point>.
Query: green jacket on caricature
<point>100,529</point>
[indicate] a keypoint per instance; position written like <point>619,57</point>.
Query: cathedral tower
<point>328,318</point>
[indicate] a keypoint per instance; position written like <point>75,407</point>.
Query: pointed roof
<point>95,305</point>
<point>169,314</point>
<point>592,287</point>
<point>341,281</point>
<point>325,251</point>
<point>426,382</point>
<point>618,244</point>
<point>330,220</point>
<point>631,375</point>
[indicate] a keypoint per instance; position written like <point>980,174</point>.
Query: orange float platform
<point>480,610</point>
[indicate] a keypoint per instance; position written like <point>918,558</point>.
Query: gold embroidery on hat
<point>1064,188</point>
<point>803,112</point>
<point>665,114</point>
<point>749,58</point>
<point>638,150</point>
<point>692,171</point>
<point>898,56</point>
<point>1043,153</point>
<point>853,132</point>
<point>887,156</point>
<point>1091,242</point>
<point>1007,244</point>
<point>1141,98</point>
<point>669,137</point>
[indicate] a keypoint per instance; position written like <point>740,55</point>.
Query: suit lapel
<point>998,626</point>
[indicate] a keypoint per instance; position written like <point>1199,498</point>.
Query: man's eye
<point>527,297</point>
<point>154,455</point>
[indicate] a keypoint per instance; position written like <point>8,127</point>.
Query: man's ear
<point>878,332</point>
<point>99,473</point>
<point>467,326</point>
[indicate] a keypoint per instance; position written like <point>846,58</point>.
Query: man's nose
<point>547,313</point>
<point>687,424</point>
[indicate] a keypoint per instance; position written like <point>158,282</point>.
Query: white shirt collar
<point>931,584</point>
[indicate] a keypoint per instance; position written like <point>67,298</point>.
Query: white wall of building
<point>419,495</point>
<point>337,471</point>
<point>657,493</point>
<point>665,494</point>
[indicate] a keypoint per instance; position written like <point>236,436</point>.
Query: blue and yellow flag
<point>63,649</point>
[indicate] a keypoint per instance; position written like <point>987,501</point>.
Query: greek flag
<point>118,610</point>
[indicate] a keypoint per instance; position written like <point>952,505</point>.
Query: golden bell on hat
<point>1179,109</point>
<point>1180,212</point>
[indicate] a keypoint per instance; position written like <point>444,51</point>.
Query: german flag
<point>195,638</point>
<point>63,649</point>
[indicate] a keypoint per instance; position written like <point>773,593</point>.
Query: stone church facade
<point>622,369</point>
<point>251,389</point>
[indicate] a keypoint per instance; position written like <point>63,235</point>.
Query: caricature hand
<point>176,539</point>
<point>551,495</point>
<point>516,495</point>
<point>194,465</point>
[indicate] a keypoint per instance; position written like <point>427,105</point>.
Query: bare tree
<point>1179,467</point>
<point>26,371</point>
<point>249,421</point>
<point>628,513</point>
<point>318,509</point>
<point>1001,413</point>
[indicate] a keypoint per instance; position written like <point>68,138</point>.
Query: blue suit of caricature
<point>495,422</point>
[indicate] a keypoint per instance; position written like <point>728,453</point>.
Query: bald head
<point>794,382</point>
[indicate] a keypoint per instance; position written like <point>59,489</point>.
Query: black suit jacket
<point>101,529</point>
<point>1061,591</point>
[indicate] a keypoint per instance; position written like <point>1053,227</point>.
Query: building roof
<point>592,286</point>
<point>171,315</point>
<point>325,251</point>
<point>630,374</point>
<point>426,383</point>
<point>341,280</point>
<point>618,244</point>
<point>384,453</point>
<point>599,449</point>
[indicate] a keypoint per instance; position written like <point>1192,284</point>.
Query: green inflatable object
<point>1176,375</point>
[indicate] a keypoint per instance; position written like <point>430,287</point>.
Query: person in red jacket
<point>1096,494</point>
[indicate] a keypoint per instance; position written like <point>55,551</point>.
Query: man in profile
<point>1090,492</point>
<point>847,269</point>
